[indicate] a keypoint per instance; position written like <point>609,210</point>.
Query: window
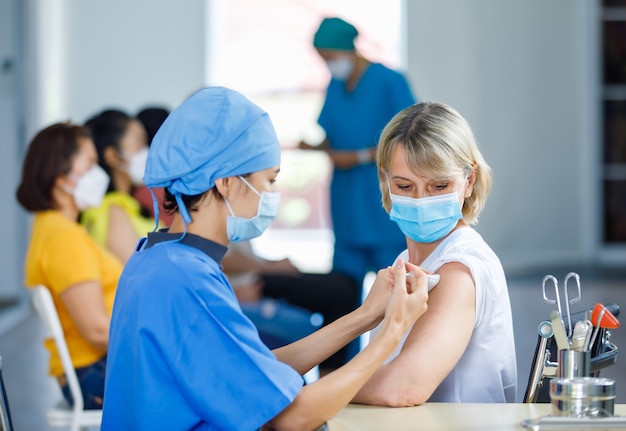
<point>614,120</point>
<point>264,50</point>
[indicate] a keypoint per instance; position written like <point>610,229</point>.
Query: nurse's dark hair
<point>191,201</point>
<point>49,156</point>
<point>169,200</point>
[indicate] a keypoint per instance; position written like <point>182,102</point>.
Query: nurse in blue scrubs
<point>361,98</point>
<point>181,353</point>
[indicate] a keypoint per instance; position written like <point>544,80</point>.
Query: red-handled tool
<point>601,317</point>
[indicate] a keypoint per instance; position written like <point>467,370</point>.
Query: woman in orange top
<point>60,178</point>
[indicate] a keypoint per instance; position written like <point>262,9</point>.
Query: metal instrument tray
<point>568,423</point>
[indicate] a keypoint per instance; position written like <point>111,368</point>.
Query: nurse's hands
<point>409,296</point>
<point>376,301</point>
<point>415,286</point>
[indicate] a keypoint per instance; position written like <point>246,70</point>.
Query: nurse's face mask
<point>243,229</point>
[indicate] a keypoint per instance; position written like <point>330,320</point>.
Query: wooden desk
<point>441,416</point>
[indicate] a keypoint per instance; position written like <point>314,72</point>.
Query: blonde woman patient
<point>434,182</point>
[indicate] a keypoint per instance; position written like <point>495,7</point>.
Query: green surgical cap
<point>335,33</point>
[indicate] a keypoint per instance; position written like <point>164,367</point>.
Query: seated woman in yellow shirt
<point>61,177</point>
<point>122,147</point>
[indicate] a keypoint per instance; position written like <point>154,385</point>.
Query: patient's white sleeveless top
<point>487,371</point>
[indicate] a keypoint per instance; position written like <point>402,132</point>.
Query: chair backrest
<point>5,413</point>
<point>42,300</point>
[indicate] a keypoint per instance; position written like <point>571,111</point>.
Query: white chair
<point>63,416</point>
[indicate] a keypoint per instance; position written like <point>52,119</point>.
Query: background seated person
<point>119,221</point>
<point>152,117</point>
<point>331,295</point>
<point>61,177</point>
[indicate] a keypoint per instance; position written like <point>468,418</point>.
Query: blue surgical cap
<point>215,133</point>
<point>335,33</point>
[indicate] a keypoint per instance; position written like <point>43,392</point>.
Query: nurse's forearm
<point>306,353</point>
<point>324,398</point>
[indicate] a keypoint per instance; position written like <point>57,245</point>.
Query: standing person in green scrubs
<point>362,96</point>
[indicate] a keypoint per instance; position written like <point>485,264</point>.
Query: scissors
<point>573,300</point>
<point>556,299</point>
<point>552,300</point>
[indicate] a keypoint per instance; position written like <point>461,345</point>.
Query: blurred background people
<point>122,147</point>
<point>362,96</point>
<point>60,178</point>
<point>278,322</point>
<point>151,117</point>
<point>329,296</point>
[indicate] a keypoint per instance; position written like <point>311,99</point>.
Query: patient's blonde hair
<point>438,142</point>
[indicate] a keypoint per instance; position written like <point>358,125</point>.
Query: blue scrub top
<point>181,353</point>
<point>354,120</point>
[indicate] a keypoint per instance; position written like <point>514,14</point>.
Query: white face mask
<point>136,167</point>
<point>91,188</point>
<point>341,68</point>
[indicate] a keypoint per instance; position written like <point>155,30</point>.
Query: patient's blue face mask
<point>243,229</point>
<point>426,219</point>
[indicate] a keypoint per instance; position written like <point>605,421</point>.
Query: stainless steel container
<point>582,397</point>
<point>572,364</point>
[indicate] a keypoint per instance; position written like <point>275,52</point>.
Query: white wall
<point>522,73</point>
<point>91,54</point>
<point>81,56</point>
<point>11,128</point>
